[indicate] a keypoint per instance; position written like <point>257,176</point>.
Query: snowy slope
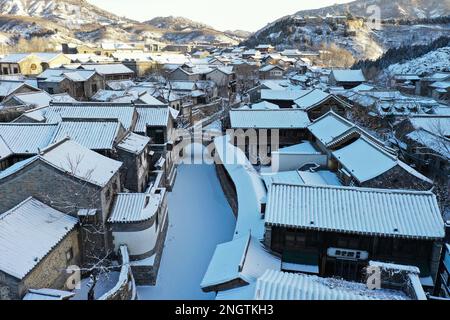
<point>389,9</point>
<point>361,41</point>
<point>77,20</point>
<point>67,12</point>
<point>182,30</point>
<point>434,61</point>
<point>176,23</point>
<point>286,33</point>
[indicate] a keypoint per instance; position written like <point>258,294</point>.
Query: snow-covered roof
<point>438,125</point>
<point>283,177</point>
<point>317,97</point>
<point>62,97</point>
<point>264,105</point>
<point>301,148</point>
<point>364,160</point>
<point>329,127</point>
<point>108,68</point>
<point>407,77</point>
<point>282,95</point>
<point>29,232</point>
<point>59,74</point>
<point>243,258</point>
<point>120,84</point>
<point>134,143</point>
<point>377,212</point>
<point>348,75</point>
<point>14,57</point>
<point>319,178</point>
<point>73,159</point>
<point>151,117</point>
<point>27,138</point>
<point>124,112</point>
<point>438,144</point>
<point>182,85</point>
<point>5,151</point>
<point>228,70</point>
<point>277,285</point>
<point>277,85</point>
<point>103,95</point>
<point>270,67</point>
<point>92,134</point>
<point>37,99</point>
<point>47,294</point>
<point>7,87</point>
<point>267,119</point>
<point>70,157</point>
<point>311,99</point>
<point>438,76</point>
<point>18,57</point>
<point>322,177</point>
<point>363,87</point>
<point>134,207</point>
<point>145,98</point>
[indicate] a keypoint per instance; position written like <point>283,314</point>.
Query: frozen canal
<point>200,218</point>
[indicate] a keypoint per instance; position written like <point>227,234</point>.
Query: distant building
<point>265,48</point>
<point>271,72</point>
<point>346,78</point>
<point>317,103</point>
<point>111,71</point>
<point>80,84</point>
<point>31,63</point>
<point>260,125</point>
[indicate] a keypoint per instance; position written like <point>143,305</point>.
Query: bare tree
<point>98,261</point>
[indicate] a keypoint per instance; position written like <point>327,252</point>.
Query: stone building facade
<point>49,273</point>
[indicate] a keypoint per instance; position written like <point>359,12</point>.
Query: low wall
<point>125,289</point>
<point>228,188</point>
<point>147,274</point>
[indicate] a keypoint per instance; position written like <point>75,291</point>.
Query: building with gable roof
<point>38,245</point>
<point>339,229</point>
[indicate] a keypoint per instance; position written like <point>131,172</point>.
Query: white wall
<point>138,242</point>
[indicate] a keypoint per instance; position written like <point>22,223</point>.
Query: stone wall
<point>131,169</point>
<point>397,178</point>
<point>49,273</point>
<point>49,186</point>
<point>61,191</point>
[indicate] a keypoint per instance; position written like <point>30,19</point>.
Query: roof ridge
<point>13,209</point>
<point>366,136</point>
<point>52,146</point>
<point>6,144</point>
<point>357,189</point>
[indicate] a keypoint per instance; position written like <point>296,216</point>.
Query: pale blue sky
<point>249,15</point>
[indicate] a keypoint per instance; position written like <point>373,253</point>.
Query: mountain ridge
<point>311,29</point>
<point>80,21</point>
<point>398,9</point>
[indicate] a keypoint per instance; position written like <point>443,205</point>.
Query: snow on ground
<point>199,219</point>
<point>434,61</point>
<point>105,283</point>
